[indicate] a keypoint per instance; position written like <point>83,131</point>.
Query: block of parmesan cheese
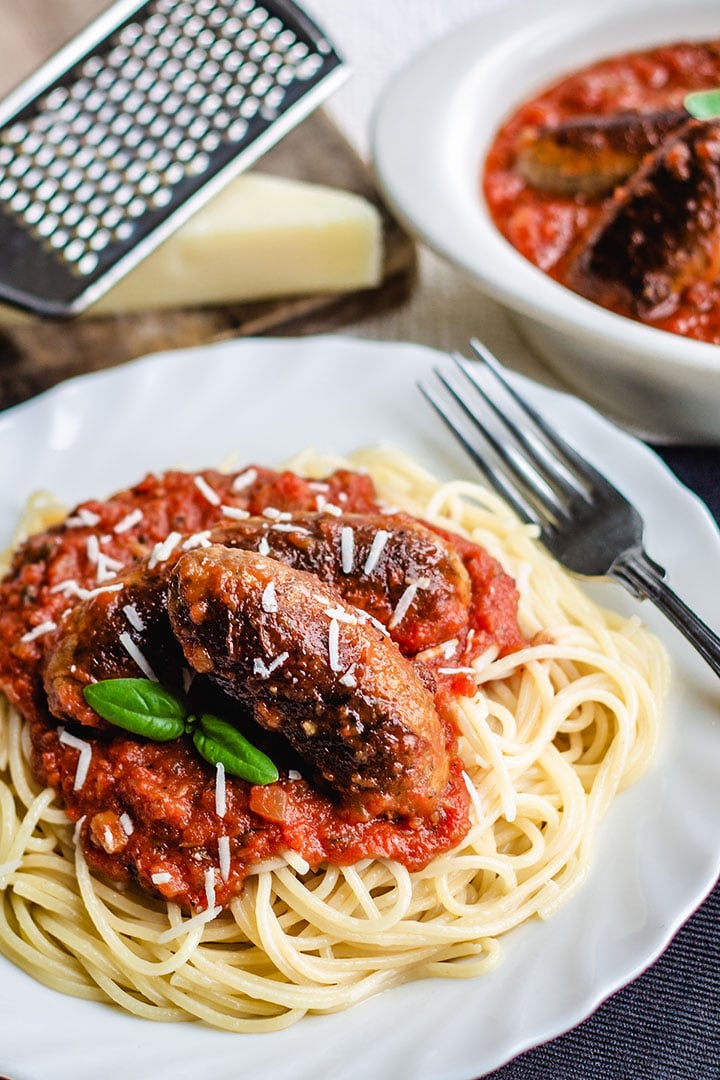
<point>261,237</point>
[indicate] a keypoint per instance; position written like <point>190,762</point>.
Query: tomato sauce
<point>547,229</point>
<point>148,810</point>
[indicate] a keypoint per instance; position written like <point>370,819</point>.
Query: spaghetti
<point>555,730</point>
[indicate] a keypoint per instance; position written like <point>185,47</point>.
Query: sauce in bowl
<point>590,181</point>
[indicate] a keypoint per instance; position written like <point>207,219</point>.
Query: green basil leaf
<point>140,706</point>
<point>220,742</point>
<point>703,104</point>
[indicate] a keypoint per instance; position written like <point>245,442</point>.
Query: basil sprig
<point>146,708</point>
<point>703,104</point>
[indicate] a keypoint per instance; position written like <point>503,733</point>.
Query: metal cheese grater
<point>119,138</point>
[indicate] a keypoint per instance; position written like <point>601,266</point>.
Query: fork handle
<point>642,576</point>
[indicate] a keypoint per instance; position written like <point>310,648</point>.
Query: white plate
<point>431,135</point>
<point>658,852</point>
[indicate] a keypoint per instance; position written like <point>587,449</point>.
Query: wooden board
<point>38,355</point>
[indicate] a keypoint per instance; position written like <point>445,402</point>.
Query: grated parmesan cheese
<point>334,645</point>
<point>403,604</point>
<point>266,670</point>
<point>224,856</point>
<point>206,491</point>
<point>133,617</point>
<point>126,824</point>
<point>37,631</point>
<point>84,759</point>
<point>244,480</point>
<point>268,601</point>
<point>348,679</point>
<point>263,546</point>
<point>235,512</point>
<point>164,549</point>
<point>210,888</point>
<point>161,877</point>
<point>83,518</point>
<point>135,653</point>
<point>220,790</point>
<point>198,539</point>
<point>347,549</point>
<point>377,547</point>
<point>133,518</point>
<point>70,587</point>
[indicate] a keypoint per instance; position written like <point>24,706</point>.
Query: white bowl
<point>431,135</point>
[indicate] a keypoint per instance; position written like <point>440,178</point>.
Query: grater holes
<point>211,142</point>
<point>237,130</point>
<point>19,166</point>
<point>159,126</point>
<point>183,81</point>
<point>87,264</point>
<point>185,116</point>
<point>232,28</point>
<point>220,50</point>
<point>262,84</point>
<point>211,104</point>
<point>20,202</point>
<point>91,67</point>
<point>8,188</point>
<point>149,183</point>
<point>222,84</point>
<point>198,127</point>
<point>249,108</point>
<point>274,97</point>
<point>146,151</point>
<point>257,17</point>
<point>182,47</point>
<point>34,213</point>
<point>272,63</point>
<point>309,67</point>
<point>47,225</point>
<point>285,40</point>
<point>161,198</point>
<point>205,39</point>
<point>59,203</point>
<point>168,37</point>
<point>59,238</point>
<point>209,71</point>
<point>198,165</point>
<point>246,39</point>
<point>100,240</point>
<point>46,190</point>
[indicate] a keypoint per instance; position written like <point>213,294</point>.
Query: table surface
<point>666,1024</point>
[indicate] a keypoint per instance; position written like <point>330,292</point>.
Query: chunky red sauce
<point>547,229</point>
<point>165,790</point>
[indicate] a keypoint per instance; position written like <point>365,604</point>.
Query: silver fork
<point>583,520</point>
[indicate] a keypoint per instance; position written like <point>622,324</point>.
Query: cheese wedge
<point>260,237</point>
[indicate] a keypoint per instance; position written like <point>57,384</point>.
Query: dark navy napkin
<point>666,1024</point>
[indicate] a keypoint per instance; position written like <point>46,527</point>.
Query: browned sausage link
<point>662,233</point>
<point>336,688</point>
<point>591,155</point>
<point>101,638</point>
<point>97,634</point>
<point>373,560</point>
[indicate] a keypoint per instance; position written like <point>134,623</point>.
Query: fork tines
<point>536,471</point>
